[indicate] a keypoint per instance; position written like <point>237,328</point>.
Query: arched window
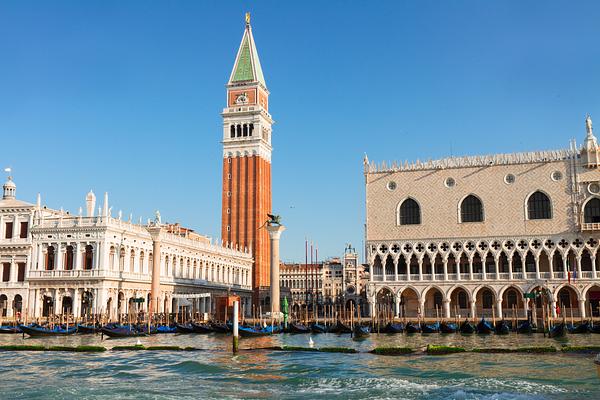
<point>410,212</point>
<point>69,259</point>
<point>538,206</point>
<point>88,258</point>
<point>50,258</point>
<point>437,299</point>
<point>132,261</point>
<point>591,212</point>
<point>487,298</point>
<point>511,298</point>
<point>462,299</point>
<point>471,209</point>
<point>232,131</point>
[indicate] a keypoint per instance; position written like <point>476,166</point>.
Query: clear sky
<point>125,97</point>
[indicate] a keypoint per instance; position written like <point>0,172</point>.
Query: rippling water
<point>215,373</point>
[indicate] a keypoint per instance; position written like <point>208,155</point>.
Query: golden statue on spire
<point>247,18</point>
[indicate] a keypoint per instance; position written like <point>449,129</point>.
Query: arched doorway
<point>566,299</point>
<point>459,303</point>
<point>384,305</point>
<point>3,305</point>
<point>484,303</point>
<point>434,303</point>
<point>593,300</point>
<point>409,303</point>
<point>17,305</point>
<point>47,306</point>
<point>512,303</point>
<point>67,305</point>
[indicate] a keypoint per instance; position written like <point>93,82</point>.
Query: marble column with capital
<point>275,232</point>
<point>155,231</point>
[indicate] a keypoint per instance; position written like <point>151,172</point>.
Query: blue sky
<point>125,97</point>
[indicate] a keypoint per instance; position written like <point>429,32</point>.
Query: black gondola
<point>583,327</point>
<point>318,328</point>
<point>86,329</point>
<point>448,327</point>
<point>394,328</point>
<point>340,327</point>
<point>361,331</point>
<point>298,328</point>
<point>220,327</point>
<point>558,330</point>
<point>41,331</point>
<point>467,327</point>
<point>484,327</point>
<point>123,331</point>
<point>502,328</point>
<point>413,328</point>
<point>525,327</point>
<point>594,328</point>
<point>184,328</point>
<point>201,328</point>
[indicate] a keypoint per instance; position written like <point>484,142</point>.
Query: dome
<point>9,189</point>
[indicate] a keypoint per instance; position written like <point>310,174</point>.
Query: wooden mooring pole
<point>235,327</point>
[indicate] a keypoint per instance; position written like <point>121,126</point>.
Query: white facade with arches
<point>487,230</point>
<point>95,264</point>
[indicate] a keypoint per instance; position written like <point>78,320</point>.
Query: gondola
<point>318,328</point>
<point>252,332</point>
<point>298,328</point>
<point>220,327</point>
<point>87,329</point>
<point>448,327</point>
<point>430,328</point>
<point>10,329</point>
<point>502,328</point>
<point>202,328</point>
<point>583,327</point>
<point>184,328</point>
<point>558,330</point>
<point>41,331</point>
<point>166,329</point>
<point>122,331</point>
<point>413,328</point>
<point>484,327</point>
<point>525,327</point>
<point>361,331</point>
<point>467,327</point>
<point>341,328</point>
<point>394,328</point>
<point>594,329</point>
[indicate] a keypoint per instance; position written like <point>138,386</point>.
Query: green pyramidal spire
<point>247,64</point>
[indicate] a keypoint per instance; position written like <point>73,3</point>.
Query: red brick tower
<point>247,160</point>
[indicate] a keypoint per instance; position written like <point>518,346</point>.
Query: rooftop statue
<point>157,220</point>
<point>588,124</point>
<point>273,219</point>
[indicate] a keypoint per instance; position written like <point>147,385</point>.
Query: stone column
<point>57,302</point>
<point>397,299</point>
<point>420,268</point>
<point>551,262</point>
<point>447,308</point>
<point>76,303</point>
<point>499,308</point>
<point>457,263</point>
<point>422,307</point>
<point>537,268</point>
<point>78,264</point>
<point>579,268</point>
<point>59,257</point>
<point>582,308</point>
<point>594,271</point>
<point>395,270</point>
<point>473,309</point>
<point>446,268</point>
<point>274,235</point>
<point>155,291</point>
<point>497,267</point>
<point>13,270</point>
<point>566,265</point>
<point>553,308</point>
<point>471,268</point>
<point>510,271</point>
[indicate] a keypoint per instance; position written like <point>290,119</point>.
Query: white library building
<point>472,236</point>
<point>56,263</point>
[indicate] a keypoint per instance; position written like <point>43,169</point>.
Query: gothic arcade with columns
<point>471,235</point>
<point>247,160</point>
<point>53,262</point>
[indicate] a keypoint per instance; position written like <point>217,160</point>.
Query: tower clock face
<point>241,98</point>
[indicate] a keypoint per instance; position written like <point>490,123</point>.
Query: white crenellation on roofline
<point>473,161</point>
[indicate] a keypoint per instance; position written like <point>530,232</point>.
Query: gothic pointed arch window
<point>591,211</point>
<point>410,212</point>
<point>539,206</point>
<point>471,209</point>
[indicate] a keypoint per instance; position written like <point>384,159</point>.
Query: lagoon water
<point>215,373</point>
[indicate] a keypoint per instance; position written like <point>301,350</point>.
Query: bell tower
<point>246,196</point>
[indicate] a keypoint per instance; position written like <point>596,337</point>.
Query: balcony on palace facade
<point>480,276</point>
<point>590,226</point>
